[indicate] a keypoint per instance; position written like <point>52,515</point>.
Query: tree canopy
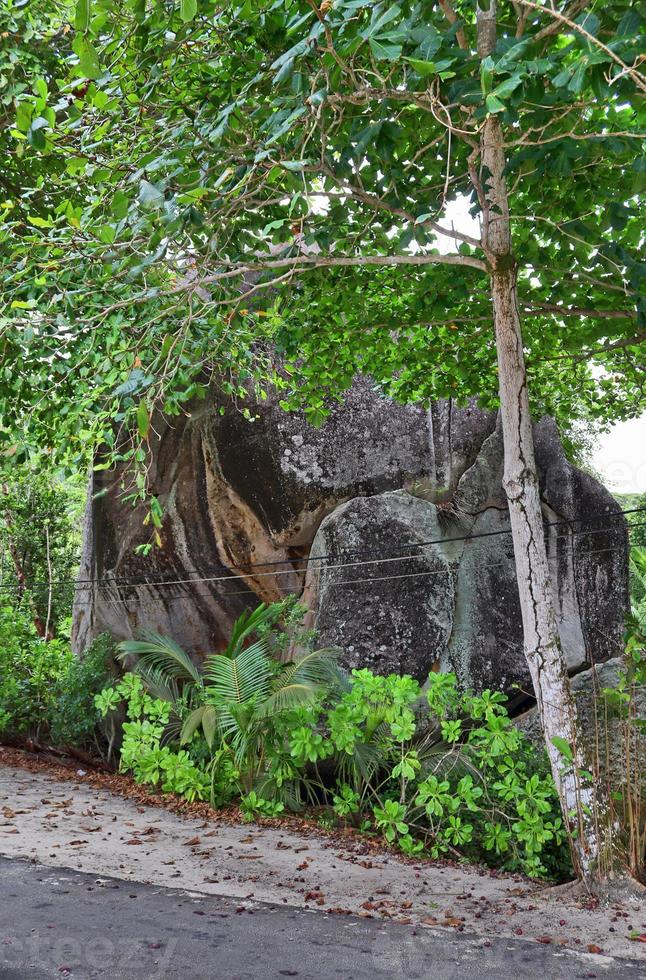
<point>191,189</point>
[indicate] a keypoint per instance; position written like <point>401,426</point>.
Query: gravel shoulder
<point>68,819</point>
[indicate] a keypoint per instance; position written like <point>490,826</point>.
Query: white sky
<point>620,458</point>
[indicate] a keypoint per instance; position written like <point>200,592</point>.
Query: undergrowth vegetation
<point>46,693</point>
<point>434,771</point>
<point>275,726</point>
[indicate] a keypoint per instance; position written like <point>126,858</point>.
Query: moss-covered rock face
<point>256,497</point>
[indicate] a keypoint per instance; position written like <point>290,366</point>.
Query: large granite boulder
<point>386,611</point>
<point>246,502</point>
<point>389,612</point>
<point>239,493</point>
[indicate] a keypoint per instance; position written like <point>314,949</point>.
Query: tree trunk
<point>547,665</point>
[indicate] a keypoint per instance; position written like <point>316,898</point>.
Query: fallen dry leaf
<point>313,896</point>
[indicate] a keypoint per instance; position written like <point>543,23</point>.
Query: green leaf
<point>120,204</point>
<point>143,420</point>
<point>422,67</point>
<point>380,20</point>
<point>37,138</point>
<point>82,15</point>
<point>210,724</point>
<point>88,58</point>
<point>24,112</point>
<point>506,87</point>
<point>139,10</point>
<point>563,747</point>
<point>149,195</point>
<point>294,165</point>
<point>494,104</point>
<point>385,51</point>
<point>106,234</point>
<point>187,10</point>
<point>39,222</point>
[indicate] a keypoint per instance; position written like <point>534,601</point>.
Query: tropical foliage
<point>434,772</point>
<point>40,540</point>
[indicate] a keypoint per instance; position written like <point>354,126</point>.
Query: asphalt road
<point>65,924</point>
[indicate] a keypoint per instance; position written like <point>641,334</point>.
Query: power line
<point>88,583</point>
<point>353,564</point>
<point>117,600</point>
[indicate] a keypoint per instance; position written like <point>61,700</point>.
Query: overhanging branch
<point>329,261</point>
<point>537,308</point>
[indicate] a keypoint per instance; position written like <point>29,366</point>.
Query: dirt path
<point>67,823</point>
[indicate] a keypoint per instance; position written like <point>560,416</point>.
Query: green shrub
<point>39,526</point>
<point>73,718</point>
<point>45,691</point>
<point>30,670</point>
<point>142,752</point>
<point>438,771</point>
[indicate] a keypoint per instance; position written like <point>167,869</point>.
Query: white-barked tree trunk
<point>547,665</point>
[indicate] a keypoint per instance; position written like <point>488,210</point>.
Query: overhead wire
<point>111,594</point>
<point>87,584</point>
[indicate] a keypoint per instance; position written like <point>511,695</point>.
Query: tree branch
<point>329,261</point>
<point>537,308</point>
<point>637,77</point>
<point>596,351</point>
<point>452,17</point>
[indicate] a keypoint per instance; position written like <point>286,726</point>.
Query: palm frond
<point>228,726</point>
<point>158,682</point>
<point>293,793</point>
<point>318,667</point>
<point>205,717</point>
<point>162,654</point>
<point>239,678</point>
<point>359,767</point>
<point>191,724</point>
<point>247,624</point>
<point>285,698</point>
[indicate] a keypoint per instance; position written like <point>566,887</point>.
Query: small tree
<point>227,149</point>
